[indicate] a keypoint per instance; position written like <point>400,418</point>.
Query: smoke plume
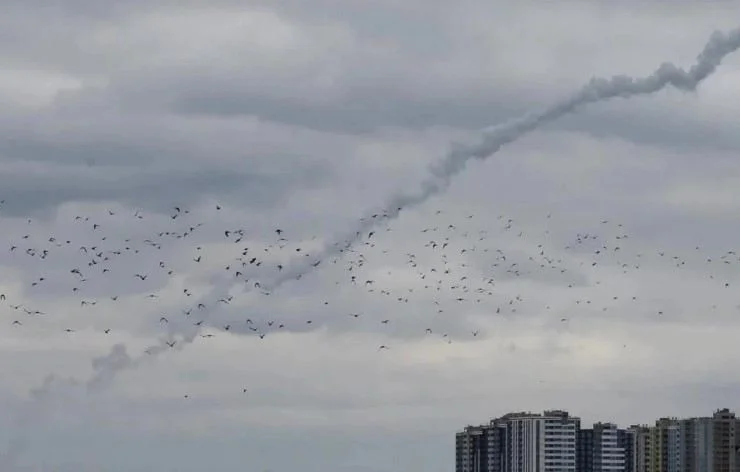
<point>439,179</point>
<point>44,398</point>
<point>440,176</point>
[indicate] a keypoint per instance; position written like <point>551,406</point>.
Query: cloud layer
<point>590,266</point>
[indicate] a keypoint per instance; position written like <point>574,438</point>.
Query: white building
<point>542,443</point>
<point>608,454</point>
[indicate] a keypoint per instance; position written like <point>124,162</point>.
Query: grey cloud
<point>87,155</point>
<point>441,174</point>
<point>304,119</point>
<point>28,194</point>
<point>644,122</point>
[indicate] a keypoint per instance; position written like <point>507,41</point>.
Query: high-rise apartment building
<point>585,450</point>
<point>470,449</point>
<point>710,444</point>
<point>703,445</point>
<point>481,449</point>
<point>665,446</point>
<point>642,448</point>
<point>675,447</point>
<point>600,449</point>
<point>688,445</point>
<point>626,440</point>
<point>519,442</point>
<point>608,454</point>
<point>554,442</point>
<point>724,441</point>
<point>541,442</point>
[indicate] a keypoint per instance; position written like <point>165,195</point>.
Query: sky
<point>590,265</point>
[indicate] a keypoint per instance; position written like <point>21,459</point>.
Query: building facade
<point>608,454</point>
<point>542,442</point>
<point>602,449</point>
<point>481,449</point>
<point>643,449</point>
<point>724,441</point>
<point>554,442</point>
<point>519,442</point>
<point>626,440</point>
<point>585,451</point>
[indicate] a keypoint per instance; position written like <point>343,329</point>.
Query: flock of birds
<point>432,284</point>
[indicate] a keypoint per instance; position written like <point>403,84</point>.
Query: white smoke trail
<point>29,417</point>
<point>596,90</point>
<point>105,369</point>
<point>441,174</point>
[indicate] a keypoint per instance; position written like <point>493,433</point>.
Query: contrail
<point>440,177</point>
<point>105,369</point>
<point>29,417</point>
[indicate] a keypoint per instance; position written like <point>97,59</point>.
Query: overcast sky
<point>305,117</point>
